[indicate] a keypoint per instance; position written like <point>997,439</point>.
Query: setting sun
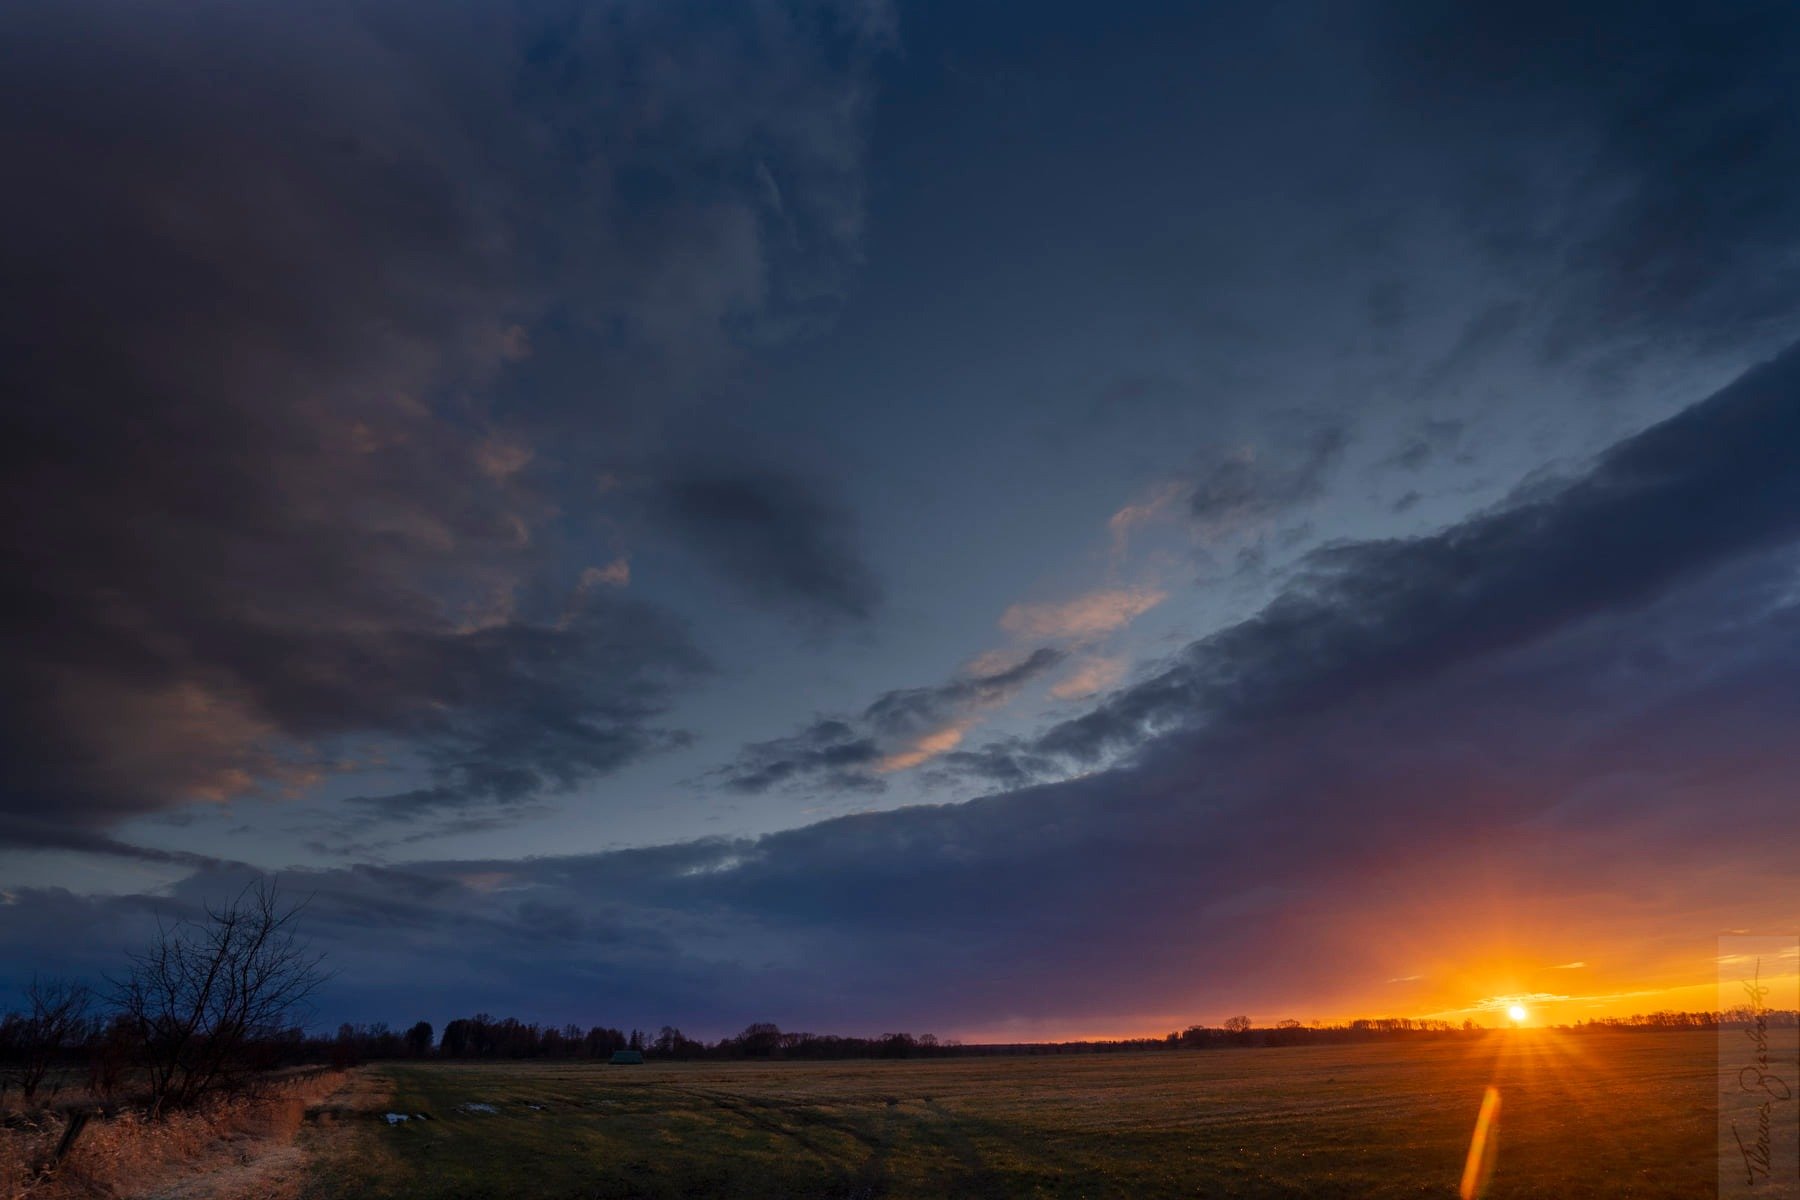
<point>1517,1013</point>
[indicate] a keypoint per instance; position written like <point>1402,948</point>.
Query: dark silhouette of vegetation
<point>205,1001</point>
<point>484,1036</point>
<point>54,1025</point>
<point>205,1007</point>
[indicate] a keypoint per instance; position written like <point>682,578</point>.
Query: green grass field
<point>1594,1115</point>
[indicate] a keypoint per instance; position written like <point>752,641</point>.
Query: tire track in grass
<point>957,1141</point>
<point>1029,1157</point>
<point>872,1177</point>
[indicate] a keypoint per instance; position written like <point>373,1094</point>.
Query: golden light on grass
<point>1518,1013</point>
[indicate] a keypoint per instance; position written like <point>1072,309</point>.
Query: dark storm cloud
<point>836,754</point>
<point>26,833</point>
<point>504,715</point>
<point>1005,764</point>
<point>271,272</point>
<point>778,539</point>
<point>1630,161</point>
<point>829,753</point>
<point>1570,684</point>
<point>1717,480</point>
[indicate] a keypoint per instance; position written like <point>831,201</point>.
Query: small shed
<point>628,1058</point>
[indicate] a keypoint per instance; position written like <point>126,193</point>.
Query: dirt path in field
<point>274,1172</point>
<point>276,1166</point>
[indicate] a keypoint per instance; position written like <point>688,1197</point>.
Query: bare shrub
<point>55,1022</point>
<point>207,993</point>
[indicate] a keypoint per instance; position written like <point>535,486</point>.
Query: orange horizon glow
<point>1542,1010</point>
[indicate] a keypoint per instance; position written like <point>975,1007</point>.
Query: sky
<point>1013,521</point>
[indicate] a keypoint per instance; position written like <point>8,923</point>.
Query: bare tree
<point>206,992</point>
<point>54,1022</point>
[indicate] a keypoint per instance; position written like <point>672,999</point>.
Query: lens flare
<point>1482,1148</point>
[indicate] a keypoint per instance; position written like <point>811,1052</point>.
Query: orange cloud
<point>925,749</point>
<point>1121,523</point>
<point>500,459</point>
<point>1092,675</point>
<point>1083,617</point>
<point>993,662</point>
<point>616,573</point>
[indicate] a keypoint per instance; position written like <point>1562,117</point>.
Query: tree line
<point>486,1037</point>
<point>1241,1031</point>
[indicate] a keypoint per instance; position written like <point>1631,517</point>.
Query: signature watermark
<point>1759,1067</point>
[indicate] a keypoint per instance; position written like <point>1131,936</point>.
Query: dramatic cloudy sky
<point>1011,520</point>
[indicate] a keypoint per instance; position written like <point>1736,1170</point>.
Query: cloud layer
<point>405,417</point>
<point>897,731</point>
<point>297,446</point>
<point>1528,718</point>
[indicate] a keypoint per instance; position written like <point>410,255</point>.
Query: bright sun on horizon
<point>1517,1013</point>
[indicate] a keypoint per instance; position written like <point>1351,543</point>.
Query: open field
<point>1591,1115</point>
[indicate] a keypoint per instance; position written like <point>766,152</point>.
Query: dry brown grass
<point>131,1154</point>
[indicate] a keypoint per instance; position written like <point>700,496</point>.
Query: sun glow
<point>1517,1013</point>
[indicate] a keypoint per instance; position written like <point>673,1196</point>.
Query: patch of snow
<point>396,1118</point>
<point>474,1106</point>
